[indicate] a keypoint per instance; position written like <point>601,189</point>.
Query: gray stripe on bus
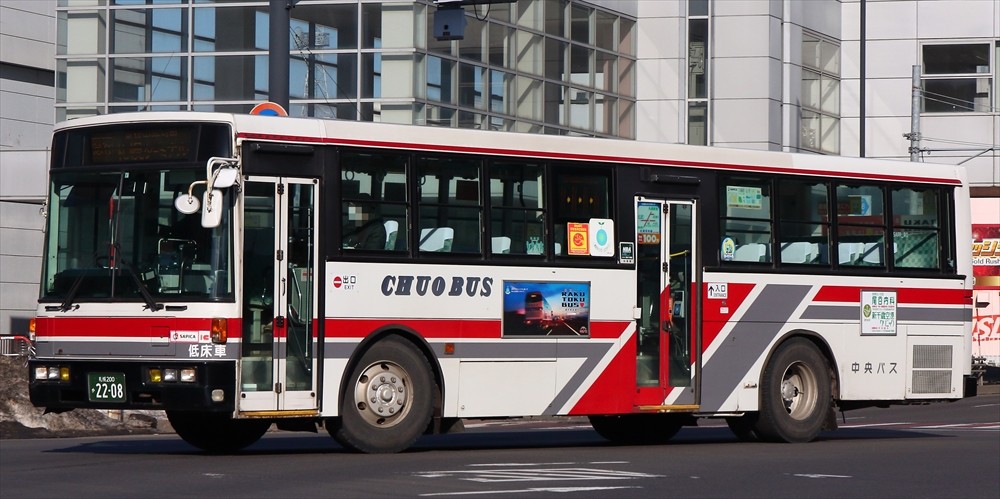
<point>748,340</point>
<point>906,314</point>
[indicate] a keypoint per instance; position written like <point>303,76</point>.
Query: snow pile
<point>20,419</point>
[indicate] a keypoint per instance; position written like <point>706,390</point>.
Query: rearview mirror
<point>211,216</point>
<point>225,177</point>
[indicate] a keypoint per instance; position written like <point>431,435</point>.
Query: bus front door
<point>278,364</point>
<point>665,249</point>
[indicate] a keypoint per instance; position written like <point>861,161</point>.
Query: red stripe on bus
<point>593,157</point>
<point>910,296</point>
<point>125,327</point>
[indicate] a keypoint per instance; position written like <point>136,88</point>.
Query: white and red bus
<point>241,271</point>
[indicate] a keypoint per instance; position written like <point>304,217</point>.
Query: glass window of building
<point>698,69</point>
<point>820,120</point>
<point>956,78</point>
<point>546,66</point>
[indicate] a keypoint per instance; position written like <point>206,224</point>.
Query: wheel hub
<point>788,390</point>
<point>381,393</point>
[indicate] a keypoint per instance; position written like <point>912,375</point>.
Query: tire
<point>795,394</point>
<point>744,427</point>
<point>638,429</point>
<point>388,400</point>
<point>217,433</point>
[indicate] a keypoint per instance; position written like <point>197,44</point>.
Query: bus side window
<point>580,196</point>
<point>517,219</point>
<point>374,209</point>
<point>450,208</point>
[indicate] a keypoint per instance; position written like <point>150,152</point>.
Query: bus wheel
<point>795,394</point>
<point>631,429</point>
<point>216,432</point>
<point>389,400</point>
<point>743,427</point>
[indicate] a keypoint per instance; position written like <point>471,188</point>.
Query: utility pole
<point>278,47</point>
<point>914,134</point>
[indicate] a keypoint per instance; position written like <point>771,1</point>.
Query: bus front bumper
<point>133,385</point>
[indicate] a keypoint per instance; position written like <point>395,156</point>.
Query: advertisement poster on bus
<point>546,308</point>
<point>986,272</point>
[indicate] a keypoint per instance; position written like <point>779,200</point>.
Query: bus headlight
<point>188,375</point>
<point>52,373</point>
<point>170,375</point>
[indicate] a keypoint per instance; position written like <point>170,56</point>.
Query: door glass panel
<point>299,353</point>
<point>680,230</point>
<point>648,265</point>
<point>258,286</point>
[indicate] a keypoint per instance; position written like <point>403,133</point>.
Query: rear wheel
<point>216,432</point>
<point>634,429</point>
<point>795,394</point>
<point>388,402</point>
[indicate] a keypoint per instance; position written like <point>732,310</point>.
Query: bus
<point>242,271</point>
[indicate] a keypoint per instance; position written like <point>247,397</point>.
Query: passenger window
<point>804,227</point>
<point>449,208</point>
<point>579,197</point>
<point>517,220</point>
<point>861,226</point>
<point>916,229</point>
<point>373,201</point>
<point>746,219</point>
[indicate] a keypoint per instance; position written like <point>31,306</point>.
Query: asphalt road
<point>939,450</point>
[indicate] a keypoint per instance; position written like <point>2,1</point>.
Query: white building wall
<point>756,62</point>
<point>895,32</point>
<point>27,59</point>
<point>661,50</point>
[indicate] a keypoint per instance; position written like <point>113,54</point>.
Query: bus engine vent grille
<point>932,356</point>
<point>931,369</point>
<point>931,381</point>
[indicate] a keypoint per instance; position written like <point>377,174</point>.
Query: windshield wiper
<point>67,304</point>
<point>143,290</point>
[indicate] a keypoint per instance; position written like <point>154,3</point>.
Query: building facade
<point>27,98</point>
<point>816,76</point>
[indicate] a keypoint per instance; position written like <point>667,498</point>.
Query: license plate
<point>106,387</point>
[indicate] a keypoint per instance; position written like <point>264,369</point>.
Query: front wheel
<point>795,394</point>
<point>388,402</point>
<point>632,429</point>
<point>216,432</point>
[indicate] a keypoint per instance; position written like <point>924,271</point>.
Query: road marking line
<point>518,464</point>
<point>562,490</point>
<point>817,475</point>
<point>869,425</point>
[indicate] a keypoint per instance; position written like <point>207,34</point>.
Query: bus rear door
<point>666,332</point>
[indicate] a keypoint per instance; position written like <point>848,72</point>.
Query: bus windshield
<point>115,236</point>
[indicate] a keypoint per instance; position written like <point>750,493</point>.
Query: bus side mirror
<point>225,177</point>
<point>211,214</point>
<point>187,204</point>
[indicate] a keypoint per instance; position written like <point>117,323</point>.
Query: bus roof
<point>539,146</point>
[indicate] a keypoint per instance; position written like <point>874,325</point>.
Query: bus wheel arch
<point>389,394</point>
<point>797,391</point>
